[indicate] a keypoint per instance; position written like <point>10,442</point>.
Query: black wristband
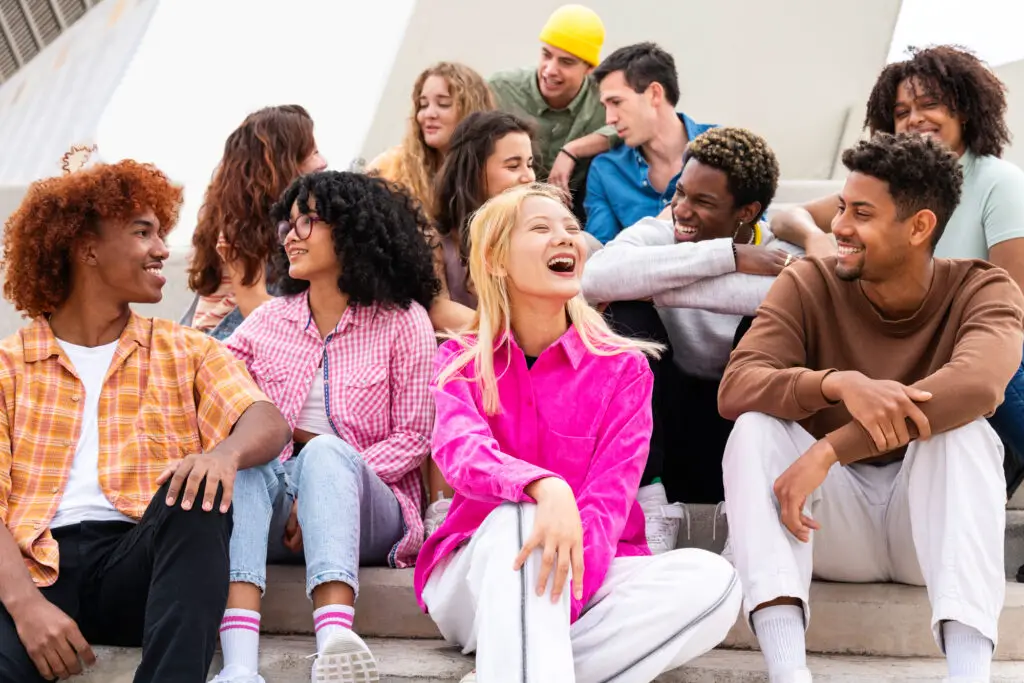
<point>569,154</point>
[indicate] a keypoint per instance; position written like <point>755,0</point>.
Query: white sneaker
<point>662,518</point>
<point>243,678</point>
<point>801,675</point>
<point>469,678</point>
<point>436,513</point>
<point>345,659</point>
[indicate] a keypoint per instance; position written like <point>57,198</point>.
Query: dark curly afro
<point>960,81</point>
<point>922,173</point>
<point>56,212</point>
<point>379,233</point>
<point>749,164</point>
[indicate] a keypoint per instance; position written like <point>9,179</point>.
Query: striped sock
<point>329,619</point>
<point>240,641</point>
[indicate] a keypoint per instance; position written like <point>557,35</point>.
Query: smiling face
<point>509,165</point>
<point>437,114</point>
<point>919,109</point>
<point>127,258</point>
<point>703,208</point>
<point>314,163</point>
<point>560,75</point>
<point>874,243</point>
<point>546,252</point>
<point>310,246</point>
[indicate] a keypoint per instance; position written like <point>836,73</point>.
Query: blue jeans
<point>347,514</point>
<point>1008,422</point>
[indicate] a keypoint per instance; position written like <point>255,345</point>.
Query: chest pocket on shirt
<point>365,395</point>
<point>569,456</point>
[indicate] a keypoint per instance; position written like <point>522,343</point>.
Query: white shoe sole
<point>345,659</point>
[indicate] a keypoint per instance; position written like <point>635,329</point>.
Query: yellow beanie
<point>577,30</point>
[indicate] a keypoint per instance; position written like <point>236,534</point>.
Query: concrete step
<point>709,528</point>
<point>857,619</point>
<point>285,659</point>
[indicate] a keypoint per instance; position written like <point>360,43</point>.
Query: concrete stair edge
<point>852,619</point>
<point>285,659</point>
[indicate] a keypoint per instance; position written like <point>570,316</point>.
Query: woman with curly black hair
<point>947,93</point>
<point>346,354</point>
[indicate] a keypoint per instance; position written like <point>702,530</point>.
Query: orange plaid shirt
<point>170,391</point>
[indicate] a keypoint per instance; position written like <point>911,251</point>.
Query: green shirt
<point>517,92</point>
<point>991,208</point>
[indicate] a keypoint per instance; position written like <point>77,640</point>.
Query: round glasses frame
<point>302,226</point>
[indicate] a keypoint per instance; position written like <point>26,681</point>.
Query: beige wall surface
<point>1012,75</point>
<point>795,71</point>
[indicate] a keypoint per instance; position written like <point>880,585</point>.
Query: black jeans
<point>161,584</point>
<point>689,435</point>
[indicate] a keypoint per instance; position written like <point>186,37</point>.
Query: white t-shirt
<point>83,500</point>
<point>313,416</point>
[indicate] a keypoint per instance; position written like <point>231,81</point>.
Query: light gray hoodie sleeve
<point>733,293</point>
<point>644,261</point>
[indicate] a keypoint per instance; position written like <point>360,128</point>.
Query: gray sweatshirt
<point>695,287</point>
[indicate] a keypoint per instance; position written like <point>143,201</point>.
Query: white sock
<point>968,653</point>
<point>780,631</point>
<point>331,618</point>
<point>240,641</point>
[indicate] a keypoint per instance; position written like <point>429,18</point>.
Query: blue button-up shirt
<point>619,191</point>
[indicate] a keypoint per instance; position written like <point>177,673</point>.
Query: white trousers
<point>651,614</point>
<point>936,519</point>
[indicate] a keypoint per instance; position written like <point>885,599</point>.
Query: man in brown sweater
<point>859,396</point>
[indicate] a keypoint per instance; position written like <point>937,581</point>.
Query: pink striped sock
<point>329,619</point>
<point>240,641</point>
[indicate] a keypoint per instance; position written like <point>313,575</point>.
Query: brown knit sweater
<point>963,345</point>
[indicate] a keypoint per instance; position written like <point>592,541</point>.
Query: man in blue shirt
<point>639,89</point>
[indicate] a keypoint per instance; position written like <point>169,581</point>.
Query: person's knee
<point>975,440</point>
<point>329,456</point>
<point>196,518</point>
<point>255,483</point>
<point>749,432</point>
<point>506,528</point>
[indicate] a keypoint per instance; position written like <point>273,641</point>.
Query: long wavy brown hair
<point>261,158</point>
<point>418,164</point>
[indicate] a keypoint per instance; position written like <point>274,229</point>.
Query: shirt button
<point>76,398</point>
<point>55,489</point>
<point>68,442</point>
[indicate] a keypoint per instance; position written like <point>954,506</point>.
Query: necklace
<point>753,233</point>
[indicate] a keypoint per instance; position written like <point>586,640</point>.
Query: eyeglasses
<point>302,225</point>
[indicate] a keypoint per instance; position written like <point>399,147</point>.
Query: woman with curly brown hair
<point>443,95</point>
<point>346,353</point>
<point>235,236</point>
<point>95,546</point>
<point>949,94</point>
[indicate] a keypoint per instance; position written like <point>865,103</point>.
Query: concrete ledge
<point>386,607</point>
<point>855,619</point>
<point>285,659</point>
<point>888,620</point>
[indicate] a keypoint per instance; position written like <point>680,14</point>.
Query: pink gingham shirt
<point>574,415</point>
<point>377,364</point>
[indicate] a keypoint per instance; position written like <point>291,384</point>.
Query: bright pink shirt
<point>377,365</point>
<point>575,415</point>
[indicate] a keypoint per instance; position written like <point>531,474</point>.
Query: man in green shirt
<point>562,99</point>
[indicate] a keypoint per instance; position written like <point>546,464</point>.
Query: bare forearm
<point>588,146</point>
<point>796,226</point>
<point>447,315</point>
<point>16,585</point>
<point>258,436</point>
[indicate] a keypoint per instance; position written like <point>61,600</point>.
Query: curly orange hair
<point>56,212</point>
<point>261,158</point>
<point>418,164</point>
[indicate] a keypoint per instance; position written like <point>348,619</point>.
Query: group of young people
<point>511,386</point>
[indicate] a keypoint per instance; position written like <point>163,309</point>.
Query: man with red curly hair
<point>120,437</point>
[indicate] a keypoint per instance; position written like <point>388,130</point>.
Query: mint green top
<point>517,92</point>
<point>991,208</point>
